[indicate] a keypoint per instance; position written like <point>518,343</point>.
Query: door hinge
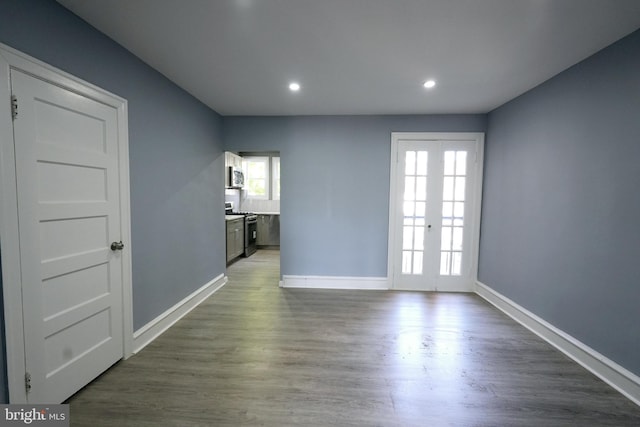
<point>14,107</point>
<point>27,382</point>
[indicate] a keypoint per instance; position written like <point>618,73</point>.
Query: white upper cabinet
<point>232,159</point>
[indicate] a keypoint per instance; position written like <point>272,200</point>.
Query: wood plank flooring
<point>256,354</point>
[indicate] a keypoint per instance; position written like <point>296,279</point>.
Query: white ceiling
<point>359,56</point>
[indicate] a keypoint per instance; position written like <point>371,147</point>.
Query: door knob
<point>117,246</point>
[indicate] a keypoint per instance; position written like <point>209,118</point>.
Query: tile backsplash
<point>260,206</point>
<point>233,195</point>
<point>243,204</point>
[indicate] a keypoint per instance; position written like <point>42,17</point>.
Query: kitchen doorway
<point>436,185</point>
<point>259,198</point>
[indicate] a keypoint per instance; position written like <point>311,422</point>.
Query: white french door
<point>434,211</point>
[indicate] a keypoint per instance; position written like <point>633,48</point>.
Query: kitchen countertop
<point>267,213</point>
<point>232,217</point>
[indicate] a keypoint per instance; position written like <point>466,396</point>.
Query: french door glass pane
<point>459,189</point>
<point>422,163</point>
<point>447,192</point>
<point>409,188</point>
<point>446,239</point>
<point>417,262</point>
<point>458,214</point>
<point>409,209</point>
<point>407,238</point>
<point>449,162</point>
<point>447,213</point>
<point>453,196</point>
<point>419,239</point>
<point>445,263</point>
<point>456,241</point>
<point>410,164</point>
<point>421,188</point>
<point>461,163</point>
<point>414,208</point>
<point>456,264</point>
<point>406,262</point>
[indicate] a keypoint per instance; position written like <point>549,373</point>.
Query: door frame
<point>478,138</point>
<point>9,237</point>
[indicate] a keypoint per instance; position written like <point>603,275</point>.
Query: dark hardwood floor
<point>256,354</point>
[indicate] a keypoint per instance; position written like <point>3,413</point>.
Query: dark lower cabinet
<point>268,230</point>
<point>235,238</point>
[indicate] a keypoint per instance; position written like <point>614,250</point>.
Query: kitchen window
<point>262,177</point>
<point>275,178</point>
<point>257,177</point>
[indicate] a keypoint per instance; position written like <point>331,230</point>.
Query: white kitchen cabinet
<point>232,159</point>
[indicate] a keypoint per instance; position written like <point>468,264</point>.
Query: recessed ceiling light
<point>294,87</point>
<point>429,84</point>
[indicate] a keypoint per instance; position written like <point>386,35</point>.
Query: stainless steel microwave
<point>235,178</point>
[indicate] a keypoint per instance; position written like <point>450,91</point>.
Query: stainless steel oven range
<point>250,234</point>
<point>250,228</point>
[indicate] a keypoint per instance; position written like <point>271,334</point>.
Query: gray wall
<point>175,148</point>
<point>335,184</point>
<point>560,229</point>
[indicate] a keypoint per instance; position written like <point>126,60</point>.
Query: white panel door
<point>434,214</point>
<point>66,148</point>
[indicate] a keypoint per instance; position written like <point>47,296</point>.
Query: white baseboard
<point>335,282</point>
<point>152,330</point>
<point>604,368</point>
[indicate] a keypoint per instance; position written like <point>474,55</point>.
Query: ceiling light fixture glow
<point>429,84</point>
<point>294,87</point>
